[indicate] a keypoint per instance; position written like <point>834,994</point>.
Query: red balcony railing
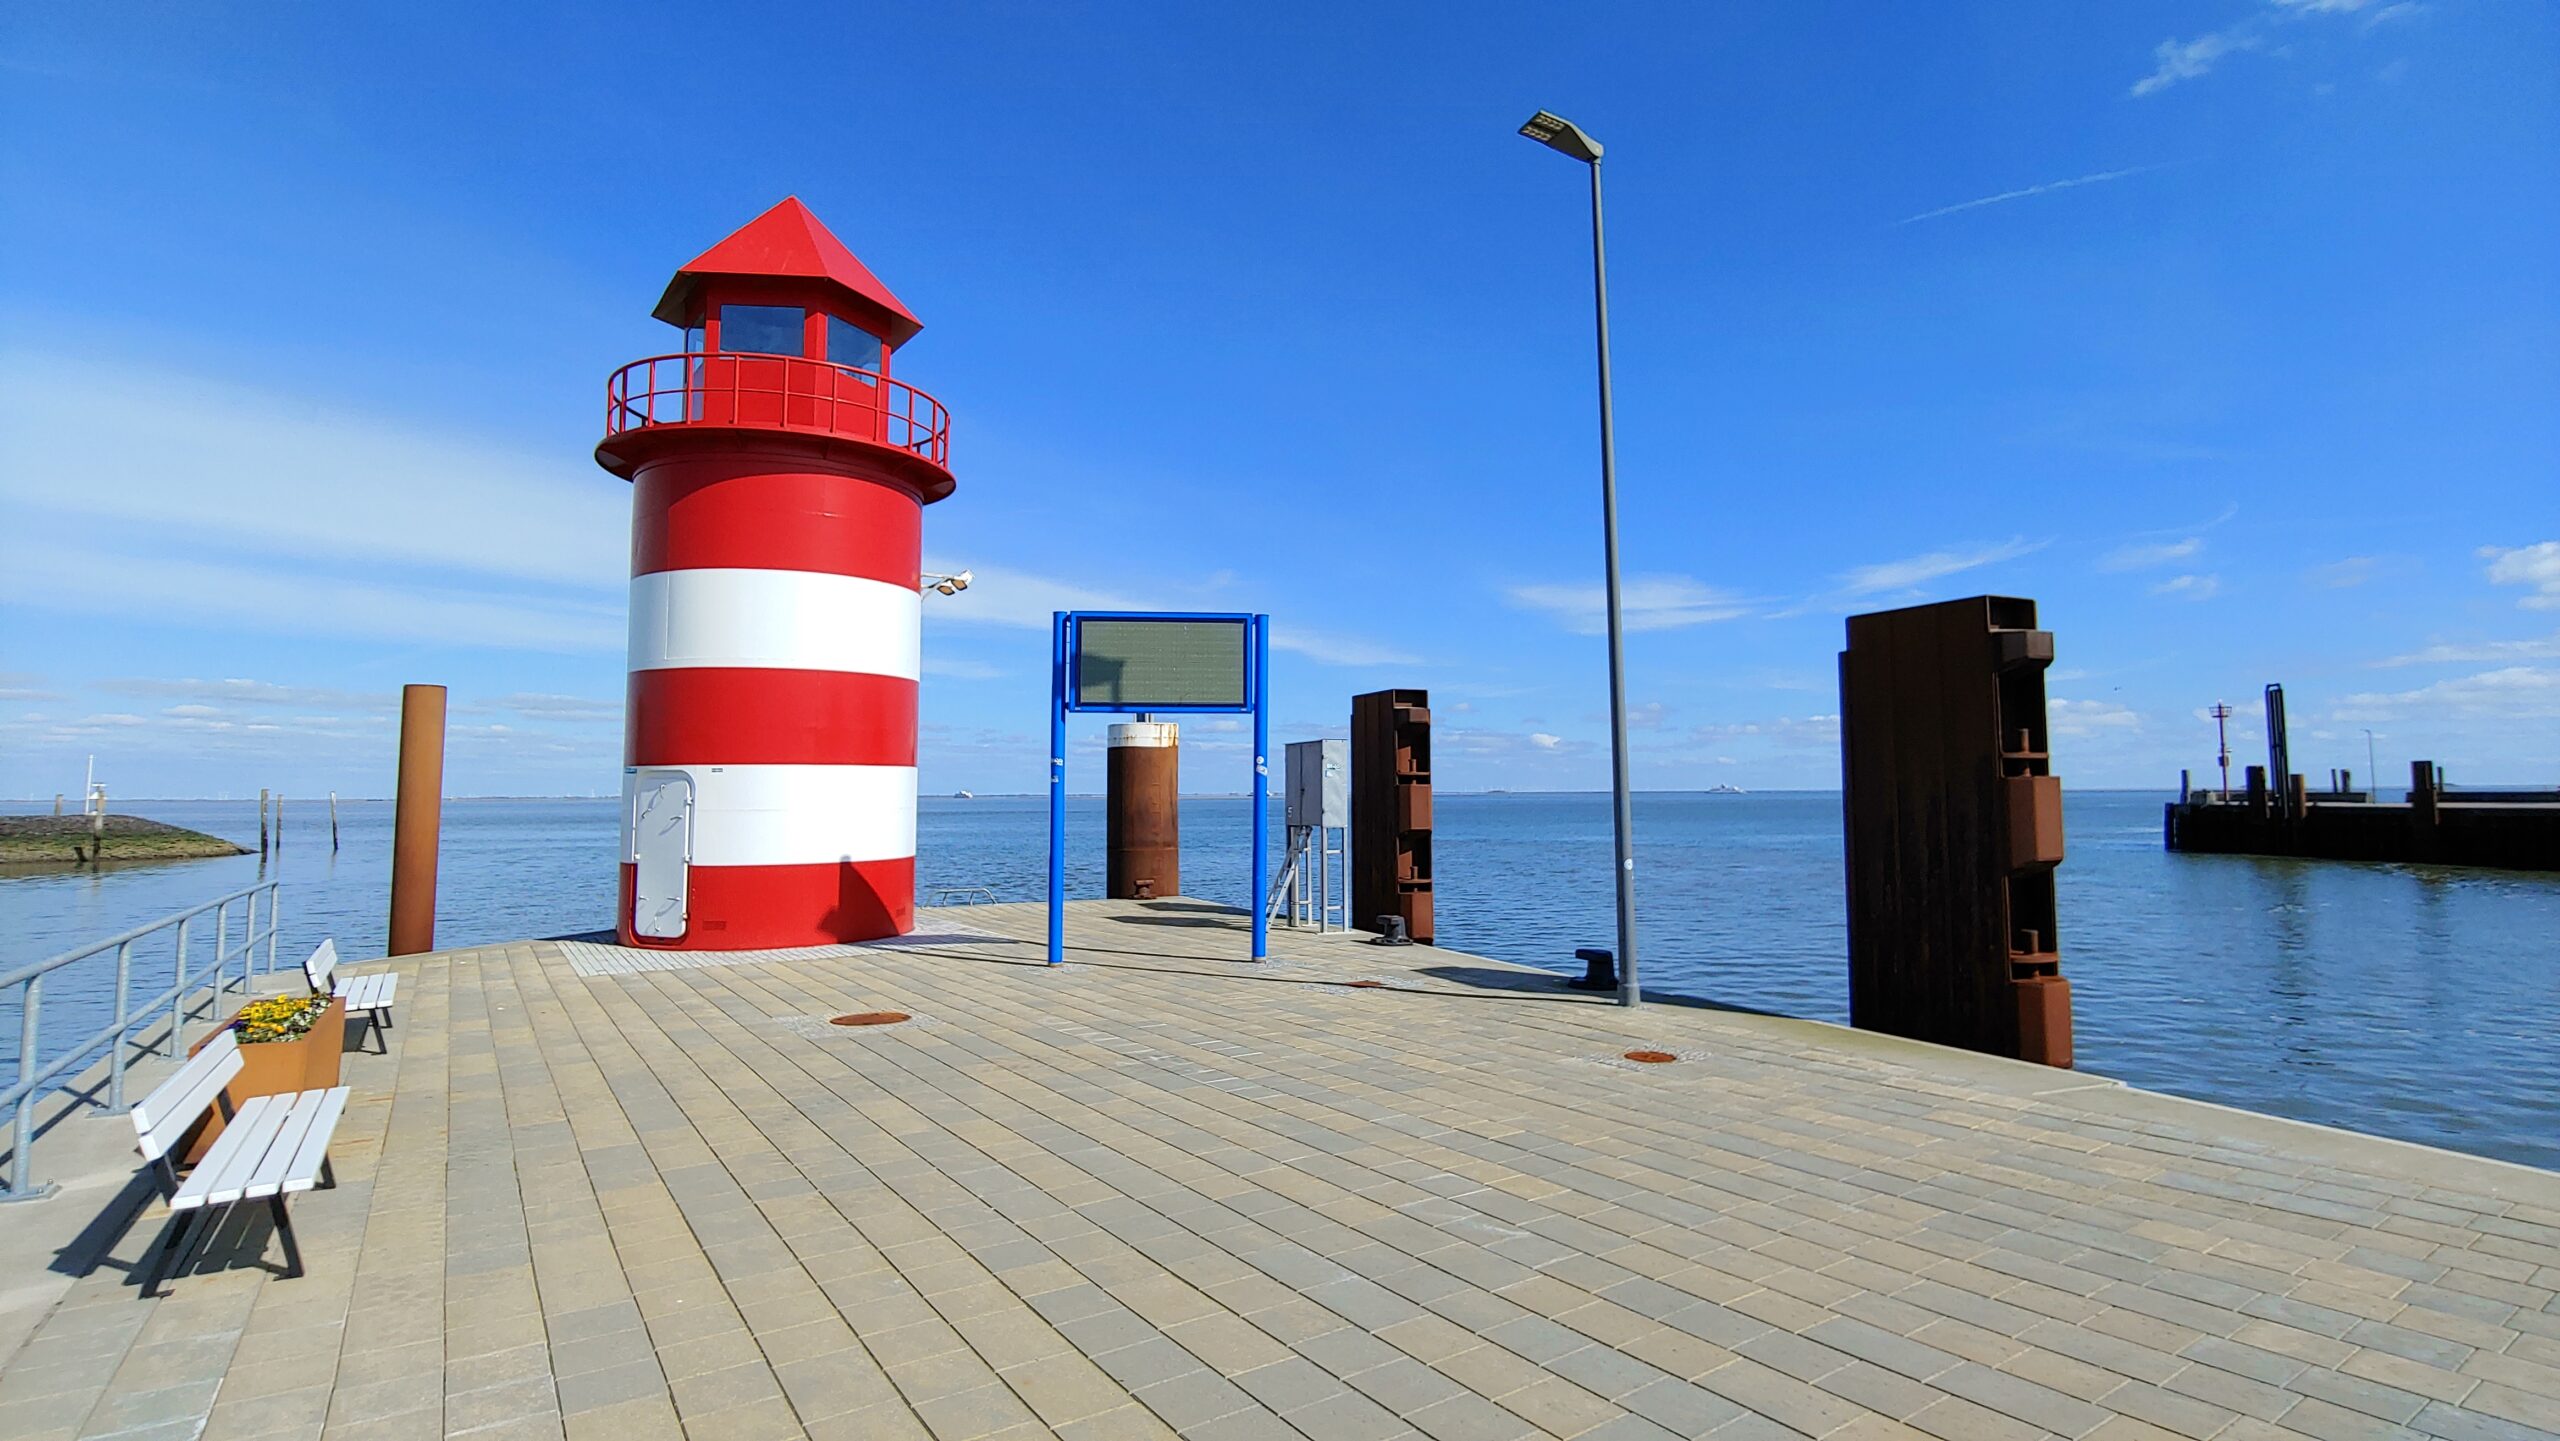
<point>779,392</point>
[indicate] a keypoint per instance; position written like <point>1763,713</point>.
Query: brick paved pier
<point>1165,1192</point>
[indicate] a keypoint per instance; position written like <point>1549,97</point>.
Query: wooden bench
<point>367,996</point>
<point>270,1148</point>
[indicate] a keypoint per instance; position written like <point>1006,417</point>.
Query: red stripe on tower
<point>779,474</point>
<point>810,718</point>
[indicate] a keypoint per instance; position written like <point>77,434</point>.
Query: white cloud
<point>1789,732</point>
<point>2145,555</point>
<point>1645,602</point>
<point>278,475</point>
<point>1544,741</point>
<point>1332,649</point>
<point>294,601</point>
<point>960,669</point>
<point>2475,652</point>
<point>999,595</point>
<point>2516,692</point>
<point>2177,60</point>
<point>2089,717</point>
<point>2535,567</point>
<point>1903,574</point>
<point>2047,188</point>
<point>535,705</point>
<point>2190,587</point>
<point>2345,574</point>
<point>204,696</point>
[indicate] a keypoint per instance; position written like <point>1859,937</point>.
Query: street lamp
<point>2372,769</point>
<point>951,584</point>
<point>1566,138</point>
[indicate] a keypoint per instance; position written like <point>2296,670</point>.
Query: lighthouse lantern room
<point>779,474</point>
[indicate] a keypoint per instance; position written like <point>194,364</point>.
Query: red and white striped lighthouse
<point>779,476</point>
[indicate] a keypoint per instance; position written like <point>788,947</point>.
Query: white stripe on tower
<point>774,619</point>
<point>795,815</point>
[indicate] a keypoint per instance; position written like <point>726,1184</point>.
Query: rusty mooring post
<point>262,820</point>
<point>417,817</point>
<point>1142,807</point>
<point>1953,819</point>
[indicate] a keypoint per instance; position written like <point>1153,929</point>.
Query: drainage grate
<point>890,1018</point>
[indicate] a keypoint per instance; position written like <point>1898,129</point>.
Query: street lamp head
<point>949,584</point>
<point>1563,136</point>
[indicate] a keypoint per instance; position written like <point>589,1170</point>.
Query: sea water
<point>2410,1001</point>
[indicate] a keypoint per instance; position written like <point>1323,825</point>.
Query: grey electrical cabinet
<point>1319,783</point>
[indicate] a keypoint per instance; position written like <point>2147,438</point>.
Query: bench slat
<point>368,993</point>
<point>160,1118</point>
<point>301,1109</point>
<point>322,966</point>
<point>303,1172</point>
<point>236,1152</point>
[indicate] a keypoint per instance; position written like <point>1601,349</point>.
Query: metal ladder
<point>1305,885</point>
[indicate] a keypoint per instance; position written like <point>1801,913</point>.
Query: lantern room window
<point>762,329</point>
<point>850,344</point>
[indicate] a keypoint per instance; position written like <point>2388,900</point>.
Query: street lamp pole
<point>1563,136</point>
<point>2372,769</point>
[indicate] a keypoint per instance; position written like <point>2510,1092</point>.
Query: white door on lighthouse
<point>661,850</point>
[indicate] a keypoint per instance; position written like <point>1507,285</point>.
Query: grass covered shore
<point>46,841</point>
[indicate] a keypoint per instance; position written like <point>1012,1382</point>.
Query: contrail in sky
<point>2048,187</point>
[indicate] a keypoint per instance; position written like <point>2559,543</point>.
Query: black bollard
<point>1599,970</point>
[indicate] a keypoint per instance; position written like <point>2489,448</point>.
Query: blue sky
<point>2227,331</point>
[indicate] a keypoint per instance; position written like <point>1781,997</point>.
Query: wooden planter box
<point>276,1068</point>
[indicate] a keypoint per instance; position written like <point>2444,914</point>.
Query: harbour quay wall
<point>2454,833</point>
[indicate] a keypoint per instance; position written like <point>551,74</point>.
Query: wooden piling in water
<point>333,823</point>
<point>416,818</point>
<point>262,820</point>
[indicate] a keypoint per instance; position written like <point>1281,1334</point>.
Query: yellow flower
<point>279,1018</point>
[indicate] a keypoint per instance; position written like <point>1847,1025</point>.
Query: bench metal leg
<point>328,1176</point>
<point>284,1228</point>
<point>381,1025</point>
<point>164,1261</point>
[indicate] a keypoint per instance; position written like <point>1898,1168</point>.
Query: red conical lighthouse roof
<point>789,243</point>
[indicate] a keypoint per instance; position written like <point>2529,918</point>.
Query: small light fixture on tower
<point>947,584</point>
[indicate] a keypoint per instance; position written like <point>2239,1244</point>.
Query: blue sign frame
<point>1063,653</point>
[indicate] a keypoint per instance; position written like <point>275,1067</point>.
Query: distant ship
<point>964,795</point>
<point>1727,791</point>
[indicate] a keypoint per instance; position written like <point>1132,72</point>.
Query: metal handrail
<point>780,392</point>
<point>34,1077</point>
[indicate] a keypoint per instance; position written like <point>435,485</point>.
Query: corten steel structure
<point>1391,810</point>
<point>779,475</point>
<point>1142,810</point>
<point>1953,819</point>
